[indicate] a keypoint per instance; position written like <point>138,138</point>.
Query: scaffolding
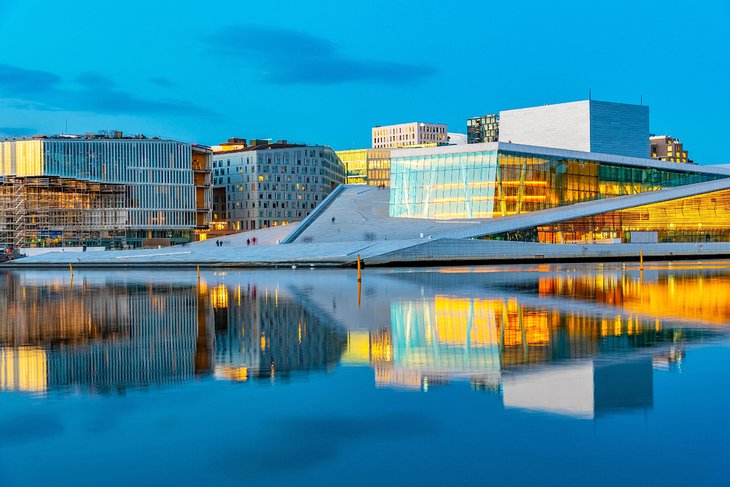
<point>61,212</point>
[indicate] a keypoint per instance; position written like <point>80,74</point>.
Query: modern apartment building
<point>667,148</point>
<point>588,126</point>
<point>271,184</point>
<point>482,129</point>
<point>366,166</point>
<point>102,190</point>
<point>409,135</point>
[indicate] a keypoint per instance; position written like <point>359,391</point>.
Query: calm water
<point>541,375</point>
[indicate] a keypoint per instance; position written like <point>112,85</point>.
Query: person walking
<point>248,242</point>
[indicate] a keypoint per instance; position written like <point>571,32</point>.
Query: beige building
<point>667,148</point>
<point>409,135</point>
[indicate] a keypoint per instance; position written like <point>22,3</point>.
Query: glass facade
<point>62,212</point>
<point>356,165</point>
<point>366,166</point>
<point>702,218</point>
<point>378,167</point>
<point>166,197</point>
<point>496,183</point>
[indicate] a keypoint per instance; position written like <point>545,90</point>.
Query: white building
<point>588,126</point>
<point>410,134</point>
<point>457,139</point>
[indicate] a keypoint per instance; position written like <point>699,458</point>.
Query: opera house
<point>572,181</point>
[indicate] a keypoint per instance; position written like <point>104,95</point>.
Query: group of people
<point>249,241</point>
<point>381,186</point>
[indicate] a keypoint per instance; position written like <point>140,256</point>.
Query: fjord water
<point>521,375</point>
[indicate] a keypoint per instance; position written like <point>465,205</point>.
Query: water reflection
<point>576,342</point>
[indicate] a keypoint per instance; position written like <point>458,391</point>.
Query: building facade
<point>486,181</point>
<point>103,189</point>
<point>587,126</point>
<point>666,148</point>
<point>367,166</point>
<point>483,129</point>
<point>268,185</point>
<point>356,165</point>
<point>409,134</point>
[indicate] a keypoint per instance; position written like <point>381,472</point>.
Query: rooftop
<point>548,151</point>
<point>101,135</point>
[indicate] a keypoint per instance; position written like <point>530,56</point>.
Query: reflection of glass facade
<point>99,337</point>
<point>262,335</point>
<point>486,182</point>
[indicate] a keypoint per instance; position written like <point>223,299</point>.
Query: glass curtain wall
<point>490,184</point>
<point>703,218</point>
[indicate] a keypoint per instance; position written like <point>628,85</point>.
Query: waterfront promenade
<point>356,223</point>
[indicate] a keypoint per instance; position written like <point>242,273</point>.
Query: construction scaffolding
<point>61,212</point>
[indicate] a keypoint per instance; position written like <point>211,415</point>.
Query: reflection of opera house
<point>574,363</point>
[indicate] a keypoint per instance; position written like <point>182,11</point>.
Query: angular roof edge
<point>586,208</point>
<point>551,151</point>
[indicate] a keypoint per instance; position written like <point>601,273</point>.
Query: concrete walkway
<point>362,227</point>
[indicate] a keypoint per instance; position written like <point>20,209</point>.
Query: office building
<point>272,184</point>
<point>587,126</point>
<point>102,190</point>
<point>666,148</point>
<point>366,166</point>
<point>356,165</point>
<point>409,135</point>
<point>483,129</point>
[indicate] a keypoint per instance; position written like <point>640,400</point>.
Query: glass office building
<point>484,181</point>
<point>366,166</point>
<point>166,186</point>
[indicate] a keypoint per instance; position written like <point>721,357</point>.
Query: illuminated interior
<point>493,184</point>
<point>702,218</point>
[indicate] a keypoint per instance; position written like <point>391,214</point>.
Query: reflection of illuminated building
<point>357,351</point>
<point>582,389</point>
<point>23,369</point>
<point>432,341</point>
<point>450,338</point>
<point>675,295</point>
<point>100,337</point>
<point>267,335</point>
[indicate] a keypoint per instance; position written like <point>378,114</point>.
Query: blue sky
<point>325,72</point>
